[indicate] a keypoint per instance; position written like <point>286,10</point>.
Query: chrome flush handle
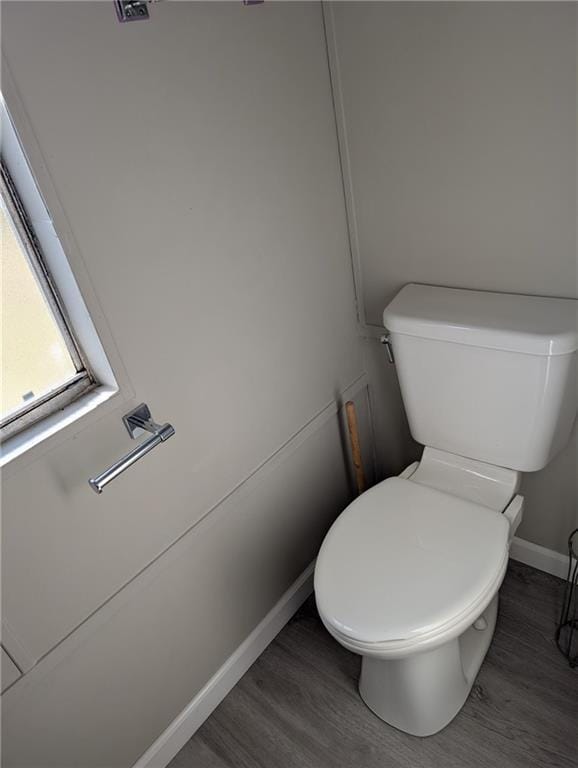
<point>387,344</point>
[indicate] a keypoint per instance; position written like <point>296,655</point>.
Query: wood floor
<point>298,706</point>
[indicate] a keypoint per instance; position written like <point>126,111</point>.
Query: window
<point>42,366</point>
<point>54,367</point>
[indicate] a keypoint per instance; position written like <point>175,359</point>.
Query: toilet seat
<point>407,566</point>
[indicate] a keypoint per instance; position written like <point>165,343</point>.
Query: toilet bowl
<point>408,578</point>
<point>408,575</point>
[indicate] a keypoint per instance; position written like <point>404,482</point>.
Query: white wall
<point>458,133</point>
<point>191,165</point>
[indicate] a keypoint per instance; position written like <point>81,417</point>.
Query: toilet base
<point>422,693</point>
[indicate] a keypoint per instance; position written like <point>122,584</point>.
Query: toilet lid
<point>404,560</point>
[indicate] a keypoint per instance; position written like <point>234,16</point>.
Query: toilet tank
<point>489,376</point>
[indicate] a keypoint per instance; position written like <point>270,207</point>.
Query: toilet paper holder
<point>137,421</point>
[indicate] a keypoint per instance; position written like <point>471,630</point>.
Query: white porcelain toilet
<point>408,575</point>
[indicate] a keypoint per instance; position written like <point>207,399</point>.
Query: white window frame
<point>95,382</point>
<point>70,390</point>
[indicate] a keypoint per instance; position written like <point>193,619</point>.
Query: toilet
<point>408,575</point>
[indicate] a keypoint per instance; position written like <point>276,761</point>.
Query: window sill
<point>18,444</point>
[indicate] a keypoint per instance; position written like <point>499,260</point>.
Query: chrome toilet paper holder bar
<point>135,421</point>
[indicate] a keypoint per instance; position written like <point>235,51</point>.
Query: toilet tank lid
<point>536,325</point>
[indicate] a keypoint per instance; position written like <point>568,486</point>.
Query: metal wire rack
<point>567,631</point>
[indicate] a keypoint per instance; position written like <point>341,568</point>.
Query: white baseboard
<point>543,559</point>
<point>162,751</point>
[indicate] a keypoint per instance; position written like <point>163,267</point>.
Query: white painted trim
<point>344,158</point>
<point>19,654</point>
<point>71,275</point>
<point>76,317</point>
<point>162,751</point>
<point>543,559</point>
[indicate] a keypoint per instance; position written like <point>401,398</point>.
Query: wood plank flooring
<point>298,706</point>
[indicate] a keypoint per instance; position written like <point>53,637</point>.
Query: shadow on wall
<point>551,509</point>
<point>394,446</point>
